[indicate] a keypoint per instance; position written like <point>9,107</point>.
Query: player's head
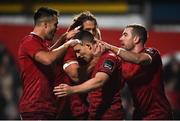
<point>88,22</point>
<point>85,49</point>
<point>133,34</point>
<point>47,19</point>
<point>140,31</point>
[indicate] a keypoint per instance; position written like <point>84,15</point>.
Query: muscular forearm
<point>94,83</point>
<point>53,55</point>
<point>48,58</point>
<point>137,58</point>
<point>61,40</point>
<point>88,86</point>
<point>59,52</point>
<point>113,48</point>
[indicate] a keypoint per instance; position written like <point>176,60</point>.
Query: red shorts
<point>37,116</point>
<point>153,116</point>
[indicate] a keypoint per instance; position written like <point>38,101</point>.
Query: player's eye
<point>77,51</point>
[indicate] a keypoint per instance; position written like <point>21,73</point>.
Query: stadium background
<point>161,19</point>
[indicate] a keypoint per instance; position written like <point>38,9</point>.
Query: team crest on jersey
<point>108,64</point>
<point>150,50</point>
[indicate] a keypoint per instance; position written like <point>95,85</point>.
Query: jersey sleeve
<point>32,46</point>
<point>107,64</point>
<point>70,55</point>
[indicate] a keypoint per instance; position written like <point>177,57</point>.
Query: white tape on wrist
<point>119,50</point>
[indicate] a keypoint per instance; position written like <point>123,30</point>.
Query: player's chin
<point>87,59</point>
<point>50,37</point>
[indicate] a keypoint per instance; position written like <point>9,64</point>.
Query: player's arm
<point>137,58</point>
<point>94,83</point>
<point>60,41</point>
<point>48,57</point>
<point>63,38</point>
<point>71,68</point>
<point>98,34</point>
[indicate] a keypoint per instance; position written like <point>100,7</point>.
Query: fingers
<point>98,49</point>
<point>78,41</point>
<point>77,28</point>
<point>60,90</point>
<point>104,45</point>
<point>73,42</point>
<point>103,48</point>
<point>60,94</point>
<point>95,39</point>
<point>59,86</point>
<point>75,31</point>
<point>72,33</point>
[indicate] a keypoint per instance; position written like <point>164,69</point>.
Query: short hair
<point>85,36</point>
<point>140,31</point>
<point>44,13</point>
<point>81,18</point>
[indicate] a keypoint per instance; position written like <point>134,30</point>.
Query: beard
<point>50,36</point>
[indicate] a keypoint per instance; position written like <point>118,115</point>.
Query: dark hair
<point>44,13</point>
<point>81,18</point>
<point>85,36</point>
<point>139,31</point>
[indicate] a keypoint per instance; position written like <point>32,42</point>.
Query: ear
<point>136,39</point>
<point>90,46</point>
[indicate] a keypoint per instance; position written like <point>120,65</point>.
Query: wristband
<point>120,49</point>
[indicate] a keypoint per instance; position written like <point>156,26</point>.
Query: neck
<point>92,64</point>
<point>95,59</point>
<point>138,48</point>
<point>39,32</point>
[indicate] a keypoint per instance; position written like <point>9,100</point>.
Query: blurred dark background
<point>162,20</point>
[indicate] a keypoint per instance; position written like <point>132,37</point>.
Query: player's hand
<point>98,49</point>
<point>78,28</point>
<point>72,42</point>
<point>62,90</point>
<point>71,33</point>
<point>98,34</point>
<point>104,44</point>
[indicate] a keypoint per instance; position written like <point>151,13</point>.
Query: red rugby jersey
<point>37,79</point>
<point>71,107</point>
<point>105,102</point>
<point>147,88</point>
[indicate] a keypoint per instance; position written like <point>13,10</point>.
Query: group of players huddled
<point>81,76</point>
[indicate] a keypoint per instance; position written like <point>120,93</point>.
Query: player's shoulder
<point>109,54</point>
<point>28,38</point>
<point>151,51</point>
